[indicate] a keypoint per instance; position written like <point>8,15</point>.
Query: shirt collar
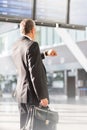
<point>28,37</point>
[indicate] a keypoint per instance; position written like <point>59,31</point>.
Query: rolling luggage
<point>41,119</point>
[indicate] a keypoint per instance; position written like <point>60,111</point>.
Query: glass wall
<point>48,36</point>
<point>7,40</point>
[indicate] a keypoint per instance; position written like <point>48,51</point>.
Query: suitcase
<point>41,119</point>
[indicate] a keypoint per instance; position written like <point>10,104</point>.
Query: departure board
<point>16,8</point>
<point>78,12</point>
<point>51,11</point>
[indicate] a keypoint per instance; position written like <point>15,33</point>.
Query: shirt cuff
<point>46,53</point>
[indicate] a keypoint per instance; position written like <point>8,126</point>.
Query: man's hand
<point>44,102</point>
<point>51,52</point>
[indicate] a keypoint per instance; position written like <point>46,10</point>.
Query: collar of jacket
<point>27,37</point>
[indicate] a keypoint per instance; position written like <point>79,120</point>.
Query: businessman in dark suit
<point>32,82</point>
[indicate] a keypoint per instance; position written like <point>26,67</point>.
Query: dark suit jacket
<point>32,81</point>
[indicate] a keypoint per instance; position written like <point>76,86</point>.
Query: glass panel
<point>50,36</point>
<point>73,34</point>
<point>57,38</point>
<point>80,35</point>
<point>43,36</point>
<point>38,35</point>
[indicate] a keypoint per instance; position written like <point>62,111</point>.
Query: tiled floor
<point>9,116</point>
<point>72,113</point>
<point>72,117</point>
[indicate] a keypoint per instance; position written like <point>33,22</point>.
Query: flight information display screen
<point>16,8</point>
<point>78,12</point>
<point>51,11</point>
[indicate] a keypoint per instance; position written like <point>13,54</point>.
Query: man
<point>32,83</point>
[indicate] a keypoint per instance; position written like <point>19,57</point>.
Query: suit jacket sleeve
<point>42,56</point>
<point>37,71</point>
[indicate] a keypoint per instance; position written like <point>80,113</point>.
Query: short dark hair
<point>26,26</point>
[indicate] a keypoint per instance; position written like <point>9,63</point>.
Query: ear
<point>32,31</point>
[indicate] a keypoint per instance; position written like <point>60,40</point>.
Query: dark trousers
<point>23,108</point>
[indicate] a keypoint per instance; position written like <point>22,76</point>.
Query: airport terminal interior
<point>66,73</point>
